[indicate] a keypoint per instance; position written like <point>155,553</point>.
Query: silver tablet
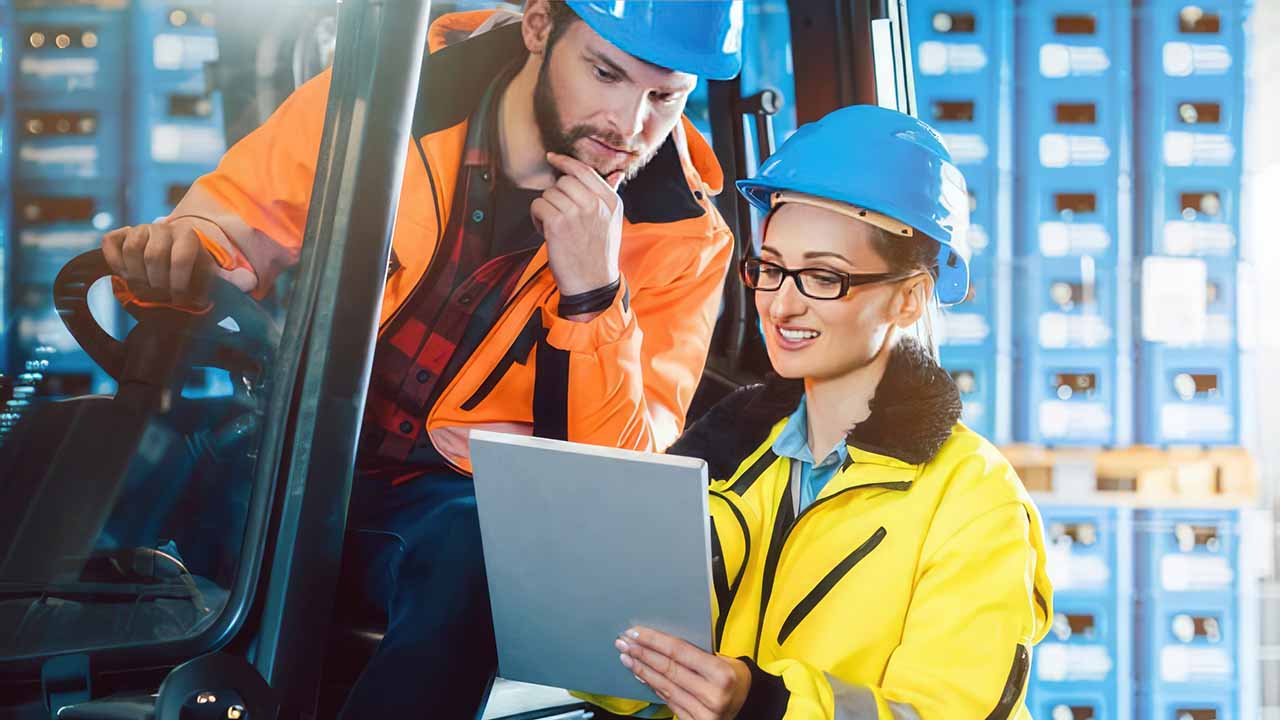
<point>582,542</point>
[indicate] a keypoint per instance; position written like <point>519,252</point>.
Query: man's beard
<point>557,139</point>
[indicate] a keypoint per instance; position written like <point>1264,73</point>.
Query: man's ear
<point>536,26</point>
<point>913,300</point>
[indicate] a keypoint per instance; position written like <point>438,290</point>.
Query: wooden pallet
<point>1139,475</point>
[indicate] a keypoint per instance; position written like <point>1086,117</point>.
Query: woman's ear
<point>535,26</point>
<point>913,300</point>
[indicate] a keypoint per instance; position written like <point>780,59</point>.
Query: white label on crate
<point>1069,571</point>
<point>1171,312</point>
<point>1218,329</point>
<point>1198,238</point>
<point>1059,239</point>
<point>938,58</point>
<point>1059,150</point>
<point>60,240</point>
<point>183,52</point>
<point>1061,330</point>
<point>179,143</point>
<point>978,238</point>
<point>966,148</point>
<point>1059,61</point>
<point>45,68</point>
<point>963,328</point>
<point>1185,573</point>
<point>1185,59</point>
<point>1187,421</point>
<point>1188,149</point>
<point>1059,419</point>
<point>1179,663</point>
<point>46,330</point>
<point>86,155</point>
<point>972,412</point>
<point>1058,662</point>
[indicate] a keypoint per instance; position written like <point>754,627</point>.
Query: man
<point>556,270</point>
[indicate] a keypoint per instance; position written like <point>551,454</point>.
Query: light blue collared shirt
<point>793,443</point>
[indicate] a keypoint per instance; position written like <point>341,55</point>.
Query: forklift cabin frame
<point>270,641</point>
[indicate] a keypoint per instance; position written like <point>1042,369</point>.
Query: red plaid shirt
<point>453,306</point>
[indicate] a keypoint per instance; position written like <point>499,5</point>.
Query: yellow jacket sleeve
<point>966,646</point>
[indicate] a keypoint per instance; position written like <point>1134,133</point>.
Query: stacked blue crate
<point>6,188</point>
<point>1074,223</point>
<point>1188,614</point>
<point>962,56</point>
<point>177,122</point>
<point>69,114</point>
<point>177,131</point>
<point>1190,83</point>
<point>1083,669</point>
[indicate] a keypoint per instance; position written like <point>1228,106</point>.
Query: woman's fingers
<point>683,702</point>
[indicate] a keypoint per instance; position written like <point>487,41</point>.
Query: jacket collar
<point>915,408</point>
<point>453,80</point>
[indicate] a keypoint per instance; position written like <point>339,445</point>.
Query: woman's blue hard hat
<point>887,162</point>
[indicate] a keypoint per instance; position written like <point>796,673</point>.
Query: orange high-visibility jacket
<point>632,371</point>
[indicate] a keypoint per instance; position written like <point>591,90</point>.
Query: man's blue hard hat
<point>700,37</point>
<point>884,161</point>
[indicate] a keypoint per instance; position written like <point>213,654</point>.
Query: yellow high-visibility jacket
<point>914,586</point>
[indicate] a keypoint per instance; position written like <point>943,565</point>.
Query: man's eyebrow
<point>615,68</point>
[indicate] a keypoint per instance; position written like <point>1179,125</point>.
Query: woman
<point>874,558</point>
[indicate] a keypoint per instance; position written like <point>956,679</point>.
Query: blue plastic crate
<point>55,224</point>
<point>987,407</point>
<point>975,321</point>
<point>70,49</point>
<point>154,193</point>
<point>6,273</point>
<point>1074,304</point>
<point>1080,702</point>
<point>1190,704</point>
<point>1187,551</point>
<point>1075,219</point>
<point>1073,120</point>
<point>177,128</point>
<point>1090,642</point>
<point>74,136</point>
<point>1190,59</point>
<point>173,42</point>
<point>1189,396</point>
<point>1194,213</point>
<point>1186,640</point>
<point>962,55</point>
<point>1074,397</point>
<point>1090,550</point>
<point>39,335</point>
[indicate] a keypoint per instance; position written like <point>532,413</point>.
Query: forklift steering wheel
<point>209,343</point>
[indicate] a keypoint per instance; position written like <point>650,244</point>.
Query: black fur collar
<point>912,414</point>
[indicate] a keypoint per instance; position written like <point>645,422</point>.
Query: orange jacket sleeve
<point>265,181</point>
<point>634,368</point>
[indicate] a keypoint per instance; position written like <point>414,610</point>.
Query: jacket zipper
<point>827,583</point>
<point>727,601</point>
<point>462,370</point>
<point>775,549</point>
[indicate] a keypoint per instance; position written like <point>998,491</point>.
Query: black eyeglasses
<point>816,283</point>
